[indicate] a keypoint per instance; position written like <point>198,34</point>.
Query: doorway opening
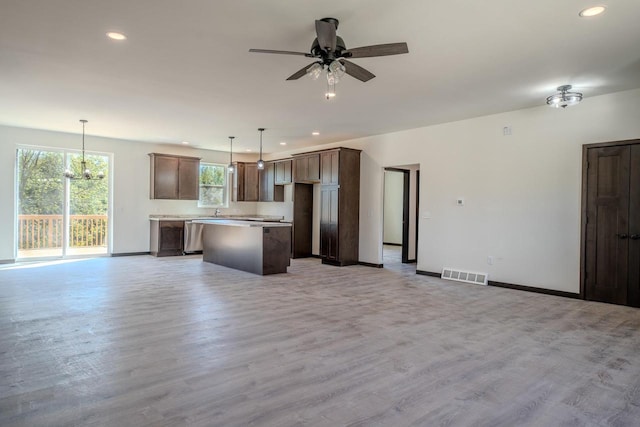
<point>400,215</point>
<point>59,217</point>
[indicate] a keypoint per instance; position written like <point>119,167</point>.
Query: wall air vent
<point>465,276</point>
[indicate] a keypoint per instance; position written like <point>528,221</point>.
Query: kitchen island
<point>253,246</point>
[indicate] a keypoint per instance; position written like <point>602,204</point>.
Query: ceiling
<point>185,73</point>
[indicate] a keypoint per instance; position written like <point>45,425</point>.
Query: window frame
<point>225,186</point>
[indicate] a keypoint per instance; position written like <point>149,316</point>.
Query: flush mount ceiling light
<point>231,167</point>
<point>86,173</point>
<point>283,143</point>
<point>116,36</point>
<point>260,161</point>
<point>315,133</point>
<point>592,11</point>
<point>565,98</point>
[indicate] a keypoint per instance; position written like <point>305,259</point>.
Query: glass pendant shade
<point>314,71</point>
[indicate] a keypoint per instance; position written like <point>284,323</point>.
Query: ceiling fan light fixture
<point>337,68</point>
<point>331,90</point>
<point>314,71</point>
<point>564,98</point>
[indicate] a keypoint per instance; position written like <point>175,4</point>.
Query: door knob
<point>622,235</point>
<point>635,236</point>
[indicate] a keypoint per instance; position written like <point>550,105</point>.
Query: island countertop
<point>241,223</point>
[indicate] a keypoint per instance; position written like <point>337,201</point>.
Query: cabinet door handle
<point>622,235</point>
<point>635,236</point>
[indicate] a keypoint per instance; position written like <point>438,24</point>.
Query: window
<point>213,186</point>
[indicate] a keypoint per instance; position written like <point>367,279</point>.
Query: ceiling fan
<point>332,55</point>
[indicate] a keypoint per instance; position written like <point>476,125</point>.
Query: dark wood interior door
<point>633,295</point>
<point>611,254</point>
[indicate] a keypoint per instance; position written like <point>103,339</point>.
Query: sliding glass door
<point>58,216</point>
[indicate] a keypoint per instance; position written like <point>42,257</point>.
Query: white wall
<point>393,207</point>
<point>522,192</point>
<point>131,203</point>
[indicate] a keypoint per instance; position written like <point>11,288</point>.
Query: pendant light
<point>86,173</point>
<point>231,167</point>
<point>260,161</point>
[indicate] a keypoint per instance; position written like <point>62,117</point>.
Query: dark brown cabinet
<point>302,220</point>
<point>283,172</point>
<point>329,163</point>
<point>340,206</point>
<point>167,238</point>
<point>174,177</point>
<point>245,182</point>
<point>329,202</point>
<point>307,168</point>
<point>267,182</point>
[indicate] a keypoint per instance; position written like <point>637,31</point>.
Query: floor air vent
<point>465,276</point>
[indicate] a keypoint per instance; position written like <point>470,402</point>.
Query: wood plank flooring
<point>143,341</point>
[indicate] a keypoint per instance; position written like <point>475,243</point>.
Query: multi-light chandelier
<point>86,173</point>
<point>334,72</point>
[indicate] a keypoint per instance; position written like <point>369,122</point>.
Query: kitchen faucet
<point>217,212</point>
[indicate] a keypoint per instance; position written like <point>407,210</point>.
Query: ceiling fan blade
<point>300,73</point>
<point>281,52</point>
<point>357,71</point>
<point>326,32</point>
<point>376,50</point>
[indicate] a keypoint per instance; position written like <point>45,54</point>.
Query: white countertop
<point>240,223</point>
<point>218,218</point>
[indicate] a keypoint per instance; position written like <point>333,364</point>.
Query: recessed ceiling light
<point>116,36</point>
<point>592,11</point>
<point>283,143</point>
<point>316,133</point>
<point>185,142</point>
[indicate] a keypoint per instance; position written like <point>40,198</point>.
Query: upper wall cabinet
<point>283,172</point>
<point>245,182</point>
<point>307,168</point>
<point>174,177</point>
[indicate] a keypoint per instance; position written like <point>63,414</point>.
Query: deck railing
<point>45,231</point>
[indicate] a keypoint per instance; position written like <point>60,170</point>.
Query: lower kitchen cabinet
<point>167,238</point>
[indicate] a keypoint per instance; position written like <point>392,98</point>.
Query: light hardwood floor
<point>137,341</point>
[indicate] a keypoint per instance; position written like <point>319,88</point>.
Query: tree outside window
<point>213,186</point>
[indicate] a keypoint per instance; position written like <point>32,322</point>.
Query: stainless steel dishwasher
<point>192,237</point>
